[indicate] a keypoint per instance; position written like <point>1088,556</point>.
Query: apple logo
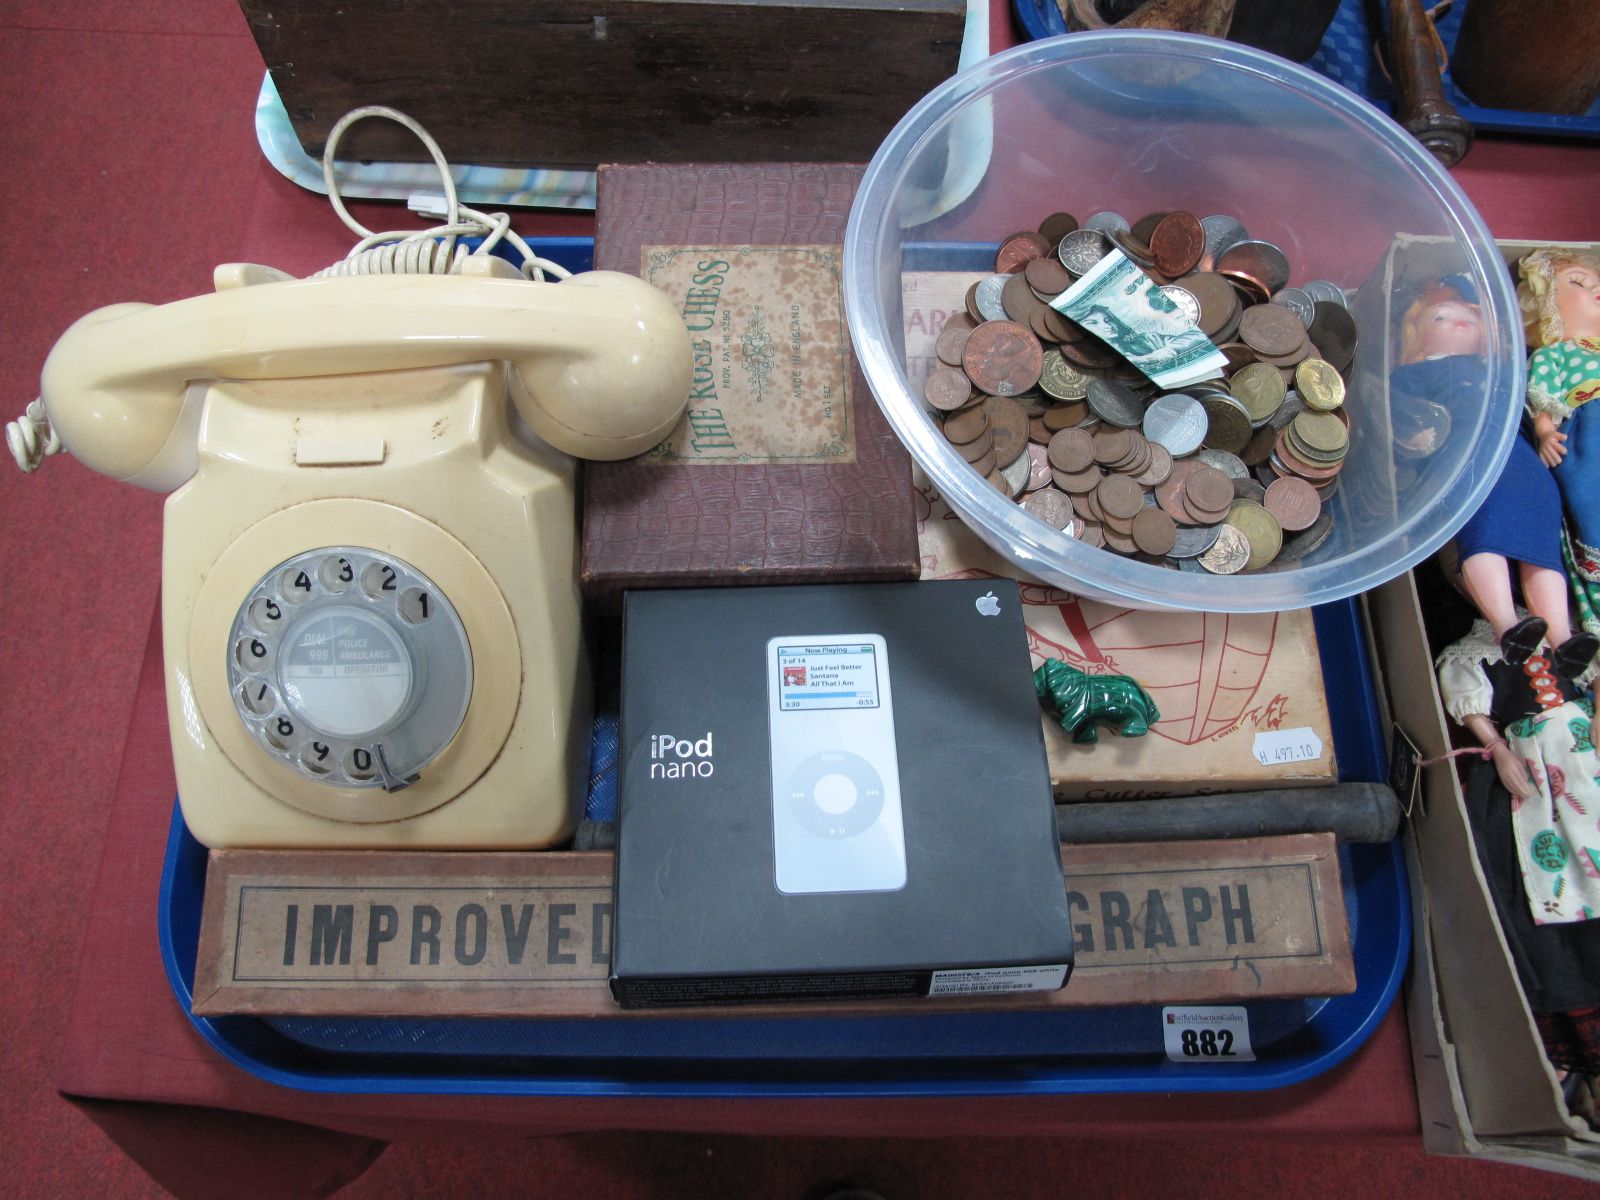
<point>988,606</point>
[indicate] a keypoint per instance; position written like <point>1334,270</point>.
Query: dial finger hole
<point>336,574</point>
<point>252,654</point>
<point>295,585</point>
<point>380,581</point>
<point>317,757</point>
<point>280,731</point>
<point>415,606</point>
<point>258,697</point>
<point>360,764</point>
<point>266,614</point>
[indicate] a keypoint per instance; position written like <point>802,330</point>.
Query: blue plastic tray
<point>1346,56</point>
<point>1064,1051</point>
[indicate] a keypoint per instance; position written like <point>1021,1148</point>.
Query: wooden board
<point>449,934</point>
<point>560,83</point>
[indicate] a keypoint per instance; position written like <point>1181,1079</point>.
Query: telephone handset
<point>370,604</point>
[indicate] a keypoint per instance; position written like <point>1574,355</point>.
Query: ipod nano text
<point>682,758</point>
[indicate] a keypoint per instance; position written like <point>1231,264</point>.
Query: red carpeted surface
<point>128,169</point>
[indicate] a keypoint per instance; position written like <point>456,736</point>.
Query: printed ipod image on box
<point>821,798</point>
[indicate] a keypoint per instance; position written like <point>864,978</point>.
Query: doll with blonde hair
<point>1560,297</point>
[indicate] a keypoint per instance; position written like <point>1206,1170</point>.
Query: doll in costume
<point>1533,805</point>
<point>1442,364</point>
<point>1560,297</point>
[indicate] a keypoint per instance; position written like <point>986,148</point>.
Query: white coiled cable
<point>31,439</point>
<point>434,251</point>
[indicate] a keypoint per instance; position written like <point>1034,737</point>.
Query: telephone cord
<point>434,251</point>
<point>31,439</point>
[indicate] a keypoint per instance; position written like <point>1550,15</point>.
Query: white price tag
<point>1282,746</point>
<point>1207,1033</point>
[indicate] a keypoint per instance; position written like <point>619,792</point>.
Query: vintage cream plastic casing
<point>422,464</point>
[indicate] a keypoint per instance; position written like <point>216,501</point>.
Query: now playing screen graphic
<point>837,676</point>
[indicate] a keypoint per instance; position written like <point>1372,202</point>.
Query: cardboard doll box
<point>1483,1083</point>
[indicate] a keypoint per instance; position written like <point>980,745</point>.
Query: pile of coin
<point>1232,473</point>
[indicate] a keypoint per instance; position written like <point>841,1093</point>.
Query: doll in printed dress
<point>1560,296</point>
<point>1442,366</point>
<point>1533,806</point>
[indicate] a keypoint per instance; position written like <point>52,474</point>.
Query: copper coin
<point>974,313</point>
<point>1092,533</point>
<point>1271,330</point>
<point>1218,301</point>
<point>1295,503</point>
<point>1038,467</point>
<point>1057,225</point>
<point>1251,290</point>
<point>1177,243</point>
<point>1047,275</point>
<point>1238,355</point>
<point>1154,531</point>
<point>1020,303</point>
<point>1209,490</point>
<point>1003,358</point>
<point>1159,469</point>
<point>984,464</point>
<point>1077,482</point>
<point>1170,495</point>
<point>965,427</point>
<point>1050,506</point>
<point>1066,416</point>
<point>977,448</point>
<point>1072,451</point>
<point>1260,261</point>
<point>1145,226</point>
<point>1111,444</point>
<point>959,320</point>
<point>1039,432</point>
<point>1062,328</point>
<point>1009,424</point>
<point>947,389</point>
<point>1121,543</point>
<point>1133,247</point>
<point>1018,250</point>
<point>952,341</point>
<point>1120,497</point>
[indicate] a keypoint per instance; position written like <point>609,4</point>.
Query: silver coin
<point>1420,427</point>
<point>1114,403</point>
<point>1303,543</point>
<point>1298,301</point>
<point>1188,304</point>
<point>1271,265</point>
<point>1107,222</point>
<point>1192,565</point>
<point>1326,290</point>
<point>1249,489</point>
<point>1222,233</point>
<point>1177,422</point>
<point>1229,554</point>
<point>1291,408</point>
<point>1016,472</point>
<point>1230,465</point>
<point>988,297</point>
<point>1081,249</point>
<point>1194,540</point>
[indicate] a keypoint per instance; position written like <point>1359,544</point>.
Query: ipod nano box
<point>833,791</point>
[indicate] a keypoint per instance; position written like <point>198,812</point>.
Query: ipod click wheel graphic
<point>836,814</point>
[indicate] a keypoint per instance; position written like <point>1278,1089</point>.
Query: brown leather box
<point>783,470</point>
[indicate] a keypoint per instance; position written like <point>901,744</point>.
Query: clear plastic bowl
<point>1142,122</point>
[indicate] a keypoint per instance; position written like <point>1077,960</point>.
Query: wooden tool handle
<point>1420,105</point>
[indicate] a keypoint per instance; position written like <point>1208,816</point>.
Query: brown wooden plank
<point>561,83</point>
<point>1192,922</point>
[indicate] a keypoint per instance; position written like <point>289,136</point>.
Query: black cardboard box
<point>833,791</point>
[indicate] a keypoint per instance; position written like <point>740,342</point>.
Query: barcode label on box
<point>998,979</point>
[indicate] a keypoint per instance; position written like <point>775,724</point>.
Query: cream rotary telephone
<point>370,605</point>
